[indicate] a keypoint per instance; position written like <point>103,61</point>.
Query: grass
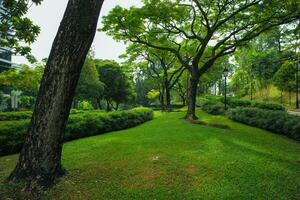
<point>169,158</point>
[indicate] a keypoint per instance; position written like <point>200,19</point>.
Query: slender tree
<point>40,158</point>
<point>161,66</point>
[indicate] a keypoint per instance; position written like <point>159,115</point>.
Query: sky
<point>48,16</point>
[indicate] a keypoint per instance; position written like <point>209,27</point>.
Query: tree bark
<point>192,94</point>
<point>168,98</point>
<point>162,98</point>
<point>290,97</point>
<point>40,158</point>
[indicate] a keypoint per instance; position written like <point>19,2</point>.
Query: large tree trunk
<point>162,98</point>
<point>168,98</point>
<point>191,99</point>
<point>290,97</point>
<point>40,158</point>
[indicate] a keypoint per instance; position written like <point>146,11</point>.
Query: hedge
<point>8,116</point>
<point>89,123</point>
<point>267,105</point>
<point>275,121</point>
<point>213,107</point>
<point>19,115</point>
<point>234,102</point>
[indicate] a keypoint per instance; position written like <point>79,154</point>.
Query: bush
<point>212,107</point>
<point>20,115</point>
<point>79,125</point>
<point>267,105</point>
<point>234,102</point>
<point>276,121</point>
<point>8,116</point>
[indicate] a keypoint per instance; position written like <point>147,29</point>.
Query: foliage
<point>235,102</point>
<point>18,31</point>
<point>19,115</point>
<point>12,133</point>
<point>117,87</point>
<point>89,86</point>
<point>275,121</point>
<point>267,105</point>
<point>26,79</point>
<point>153,95</point>
<point>8,116</point>
<point>285,78</point>
<point>213,107</point>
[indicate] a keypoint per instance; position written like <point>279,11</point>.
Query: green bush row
<point>212,107</point>
<point>12,133</point>
<point>19,115</point>
<point>8,116</point>
<point>215,104</point>
<point>276,121</point>
<point>234,102</point>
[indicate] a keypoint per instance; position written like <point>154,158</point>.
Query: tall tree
<point>117,88</point>
<point>89,86</point>
<point>285,78</point>
<point>40,158</point>
<point>186,28</point>
<point>161,66</point>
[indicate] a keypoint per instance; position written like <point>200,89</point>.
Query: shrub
<point>213,107</point>
<point>276,121</point>
<point>267,105</point>
<point>20,115</point>
<point>8,116</point>
<point>234,102</point>
<point>12,133</point>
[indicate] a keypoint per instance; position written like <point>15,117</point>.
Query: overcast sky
<point>48,16</point>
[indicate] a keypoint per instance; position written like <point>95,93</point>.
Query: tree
<point>264,66</point>
<point>285,78</point>
<point>89,86</point>
<point>25,79</point>
<point>17,31</point>
<point>181,87</point>
<point>186,28</point>
<point>40,158</point>
<point>142,83</point>
<point>117,87</point>
<point>161,66</point>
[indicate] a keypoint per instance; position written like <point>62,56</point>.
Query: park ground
<point>170,158</point>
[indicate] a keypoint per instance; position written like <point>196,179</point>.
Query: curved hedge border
<point>8,116</point>
<point>276,121</point>
<point>19,115</point>
<point>89,123</point>
<point>213,107</point>
<point>234,102</point>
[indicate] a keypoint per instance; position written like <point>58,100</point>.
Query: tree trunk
<point>162,99</point>
<point>40,158</point>
<point>183,99</point>
<point>168,98</point>
<point>108,106</point>
<point>99,107</point>
<point>191,99</point>
<point>290,97</point>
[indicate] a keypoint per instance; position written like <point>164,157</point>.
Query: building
<point>5,59</point>
<point>5,53</point>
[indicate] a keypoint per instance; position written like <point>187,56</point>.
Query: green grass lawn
<point>169,158</point>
